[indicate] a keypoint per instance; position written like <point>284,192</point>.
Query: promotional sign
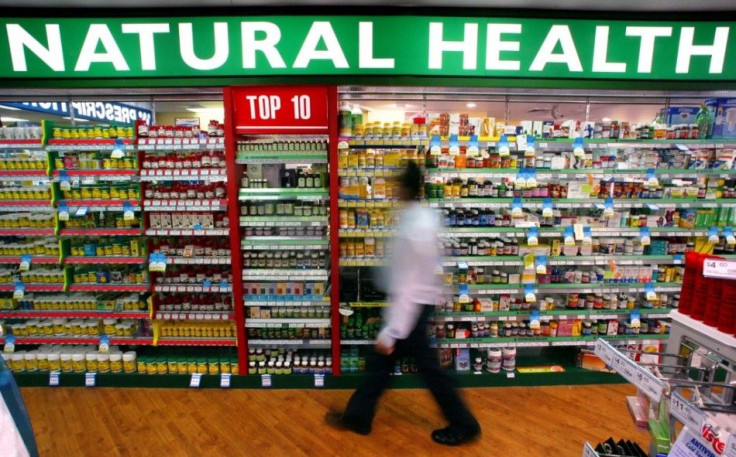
<point>366,45</point>
<point>280,109</point>
<point>120,113</point>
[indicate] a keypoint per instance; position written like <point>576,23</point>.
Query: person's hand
<point>383,348</point>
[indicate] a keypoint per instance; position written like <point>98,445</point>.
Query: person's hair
<point>411,180</point>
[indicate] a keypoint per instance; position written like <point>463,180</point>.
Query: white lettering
<point>252,103</point>
<point>494,46</point>
<point>569,56</point>
<point>308,52</point>
<point>96,35</point>
<point>365,49</point>
<point>267,45</point>
<point>109,112</point>
<point>53,56</point>
<point>145,38</point>
<point>468,46</point>
<point>100,110</point>
<point>716,51</point>
<point>186,47</point>
<point>118,116</point>
<point>646,48</point>
<point>600,53</point>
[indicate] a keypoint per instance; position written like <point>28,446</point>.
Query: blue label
<point>650,173</point>
<point>25,258</point>
<point>644,232</point>
<point>463,289</point>
<point>206,284</point>
<point>569,232</point>
<point>541,260</point>
<point>578,143</point>
<point>528,289</point>
<point>728,231</point>
<point>20,286</point>
<point>197,227</point>
<point>530,142</point>
<point>516,203</point>
<point>533,233</point>
<point>635,313</point>
<point>454,140</point>
<point>63,207</point>
<point>587,232</point>
<point>534,315</point>
<point>9,339</point>
<point>104,339</point>
<point>547,203</point>
<point>713,231</point>
<point>127,206</point>
<point>473,141</point>
<point>609,202</point>
<point>223,284</point>
<point>435,141</point>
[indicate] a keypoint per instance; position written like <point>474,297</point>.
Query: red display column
<point>271,115</point>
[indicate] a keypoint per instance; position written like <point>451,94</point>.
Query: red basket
<point>701,293</point>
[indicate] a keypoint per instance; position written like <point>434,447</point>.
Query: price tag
<point>685,412</point>
<point>319,380</point>
<point>25,262</point>
<point>510,375</point>
<point>54,378</point>
<point>195,380</point>
<point>104,346</point>
<point>19,291</point>
<point>725,269</point>
<point>225,380</point>
<point>63,211</point>
<point>90,379</point>
<point>588,451</point>
<point>266,380</point>
<point>9,344</point>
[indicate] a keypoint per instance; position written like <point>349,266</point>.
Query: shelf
<point>34,288</point>
<point>34,259</point>
<point>283,194</point>
<point>188,232</point>
<point>34,143</point>
<point>24,205</point>
<point>186,205</point>
<point>508,261</point>
<point>283,221</point>
<point>88,145</point>
<point>367,262</point>
<point>194,315</point>
<point>385,172</point>
<point>212,260</point>
<point>97,205</point>
<point>543,341</point>
<point>196,342</point>
<point>108,288</point>
<point>285,274</point>
<point>119,260</point>
<point>23,175</point>
<point>107,175</point>
<point>78,314</point>
<point>288,323</point>
<point>216,289</point>
<point>184,174</point>
<point>27,232</point>
<point>357,342</point>
<point>574,203</point>
<point>276,243</point>
<point>571,288</point>
<point>120,341</point>
<point>369,203</point>
<point>100,232</point>
<point>286,157</point>
<point>567,174</point>
<point>366,304</point>
<point>287,303</point>
<point>556,232</point>
<point>560,314</point>
<point>316,344</point>
<point>374,233</point>
<point>178,144</point>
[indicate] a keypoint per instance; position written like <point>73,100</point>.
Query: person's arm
<point>401,319</point>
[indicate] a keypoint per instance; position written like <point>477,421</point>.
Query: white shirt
<point>412,274</point>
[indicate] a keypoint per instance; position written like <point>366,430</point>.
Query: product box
<point>445,356</point>
<point>724,124</point>
<point>485,304</point>
<point>462,359</point>
<point>676,115</point>
<point>504,303</point>
<point>537,128</point>
<point>527,127</point>
<point>487,127</point>
<point>612,327</point>
<point>589,361</point>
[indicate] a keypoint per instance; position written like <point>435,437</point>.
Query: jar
<point>116,362</point>
<point>66,363</point>
<point>78,363</point>
<point>129,362</point>
<point>91,362</point>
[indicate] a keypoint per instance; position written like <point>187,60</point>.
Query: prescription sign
<point>280,109</point>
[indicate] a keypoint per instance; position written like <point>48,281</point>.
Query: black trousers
<point>362,405</point>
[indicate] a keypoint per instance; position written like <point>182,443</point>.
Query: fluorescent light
<point>10,108</point>
<point>12,119</point>
<point>207,110</point>
<point>471,105</point>
<point>76,119</point>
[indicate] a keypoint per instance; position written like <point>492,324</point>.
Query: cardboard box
<point>462,359</point>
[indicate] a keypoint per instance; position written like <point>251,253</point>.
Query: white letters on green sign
<point>494,47</point>
<point>321,31</point>
<point>468,46</point>
<point>600,53</point>
<point>267,45</point>
<point>365,49</point>
<point>19,39</point>
<point>569,56</point>
<point>646,48</point>
<point>716,51</point>
<point>186,46</point>
<point>145,36</point>
<point>100,34</point>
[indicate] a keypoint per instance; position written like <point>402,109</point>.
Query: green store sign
<point>344,45</point>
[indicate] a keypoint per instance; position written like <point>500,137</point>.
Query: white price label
<point>685,412</point>
<point>54,378</point>
<point>588,451</point>
<point>225,380</point>
<point>90,379</point>
<point>266,380</point>
<point>725,269</point>
<point>319,380</point>
<point>195,380</point>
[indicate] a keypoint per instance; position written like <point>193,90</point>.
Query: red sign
<point>280,109</point>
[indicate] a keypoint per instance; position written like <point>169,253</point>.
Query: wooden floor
<point>518,422</point>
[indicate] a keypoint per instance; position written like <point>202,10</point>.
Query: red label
<point>280,109</point>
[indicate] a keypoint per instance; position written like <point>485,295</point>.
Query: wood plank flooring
<point>517,421</point>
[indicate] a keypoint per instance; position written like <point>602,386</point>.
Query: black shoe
<point>337,420</point>
<point>451,436</point>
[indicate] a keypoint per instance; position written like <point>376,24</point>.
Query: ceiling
<point>660,6</point>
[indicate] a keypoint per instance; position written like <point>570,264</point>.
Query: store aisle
<point>518,421</point>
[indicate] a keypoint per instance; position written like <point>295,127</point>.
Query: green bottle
<point>702,119</point>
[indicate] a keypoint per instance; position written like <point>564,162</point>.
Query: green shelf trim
<point>286,242</point>
<point>555,312</point>
<point>284,218</point>
<point>572,285</point>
